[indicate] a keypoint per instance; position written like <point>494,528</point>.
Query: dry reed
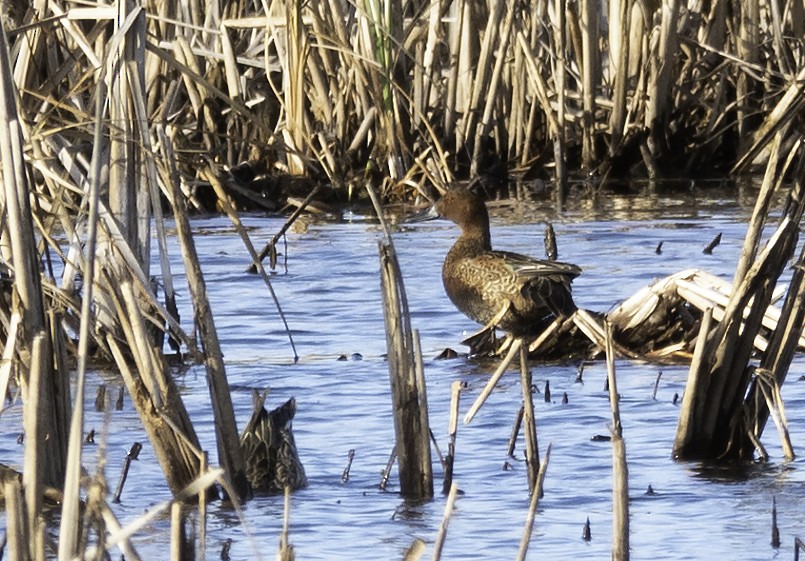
<point>108,111</point>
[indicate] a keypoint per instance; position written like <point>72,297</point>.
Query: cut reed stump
<point>409,397</point>
<point>714,421</point>
<point>620,470</point>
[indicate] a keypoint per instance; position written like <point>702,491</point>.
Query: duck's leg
<point>485,338</point>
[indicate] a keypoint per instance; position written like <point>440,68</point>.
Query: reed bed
<point>113,115</point>
<point>408,93</point>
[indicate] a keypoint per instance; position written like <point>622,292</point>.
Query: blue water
<point>331,297</point>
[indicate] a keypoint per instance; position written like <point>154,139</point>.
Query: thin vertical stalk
<point>68,530</point>
<point>482,130</point>
<point>748,52</point>
<point>620,471</point>
<point>15,520</point>
<point>529,422</point>
<point>532,507</point>
<point>660,86</point>
<point>589,78</point>
<point>559,156</point>
<point>619,63</point>
<point>482,71</point>
<point>294,83</point>
<point>452,429</point>
<point>460,11</point>
<point>34,457</point>
<point>428,75</point>
<point>448,511</point>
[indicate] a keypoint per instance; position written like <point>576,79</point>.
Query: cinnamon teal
<point>269,449</point>
<point>516,293</point>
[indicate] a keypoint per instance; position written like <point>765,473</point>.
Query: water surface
<point>331,297</point>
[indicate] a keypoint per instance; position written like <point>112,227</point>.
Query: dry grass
<point>107,112</point>
<point>414,96</point>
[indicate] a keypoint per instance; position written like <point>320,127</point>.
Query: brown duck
<point>269,449</point>
<point>513,292</point>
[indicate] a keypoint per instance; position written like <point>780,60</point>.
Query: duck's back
<point>482,283</point>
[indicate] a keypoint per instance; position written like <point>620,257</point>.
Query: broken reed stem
<point>34,455</point>
<point>518,420</point>
<point>175,448</point>
<point>422,391</point>
<point>452,429</point>
<point>799,545</point>
<point>415,550</point>
<point>559,157</point>
<point>620,471</point>
<point>760,213</point>
<point>226,431</point>
<point>532,507</point>
<point>178,537</point>
<point>589,77</point>
<point>68,528</point>
<point>384,478</point>
<point>134,451</point>
<point>490,385</point>
<point>773,400</point>
<point>409,398</point>
<point>448,513</point>
<point>15,519</point>
<point>529,422</point>
<point>257,263</point>
<point>286,552</point>
<point>691,410</point>
<point>202,511</point>
<point>9,350</point>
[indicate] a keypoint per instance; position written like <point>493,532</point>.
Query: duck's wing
<point>526,266</point>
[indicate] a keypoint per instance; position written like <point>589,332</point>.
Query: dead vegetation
<point>410,96</point>
<point>115,116</point>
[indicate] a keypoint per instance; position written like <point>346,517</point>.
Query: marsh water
<point>330,293</point>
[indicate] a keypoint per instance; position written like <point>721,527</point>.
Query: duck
<point>518,294</point>
<point>269,449</point>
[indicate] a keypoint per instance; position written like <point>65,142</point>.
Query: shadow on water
<point>737,472</point>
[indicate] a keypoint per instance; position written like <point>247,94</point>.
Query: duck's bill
<point>423,215</point>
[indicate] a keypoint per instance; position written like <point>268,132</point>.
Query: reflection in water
<point>331,295</point>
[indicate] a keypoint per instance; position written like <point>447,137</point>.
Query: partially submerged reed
<point>729,397</point>
<point>111,115</point>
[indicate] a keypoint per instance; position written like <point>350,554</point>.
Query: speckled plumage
<point>269,449</point>
<point>481,281</point>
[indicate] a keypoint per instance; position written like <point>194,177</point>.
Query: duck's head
<point>463,207</point>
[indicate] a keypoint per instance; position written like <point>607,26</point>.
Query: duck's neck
<point>474,239</point>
